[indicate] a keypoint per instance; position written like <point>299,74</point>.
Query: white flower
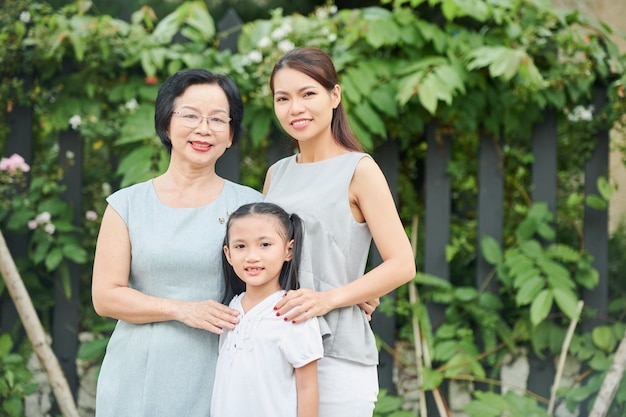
<point>49,228</point>
<point>332,37</point>
<point>281,32</point>
<point>43,217</point>
<point>75,121</point>
<point>264,42</point>
<point>69,155</point>
<point>32,224</point>
<point>581,113</point>
<point>131,104</point>
<point>106,188</point>
<point>286,46</point>
<point>321,13</point>
<point>254,57</point>
<point>25,17</point>
<point>91,215</point>
<point>332,9</point>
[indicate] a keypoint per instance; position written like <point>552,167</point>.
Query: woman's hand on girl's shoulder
<point>300,305</point>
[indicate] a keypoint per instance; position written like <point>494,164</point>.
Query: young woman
<point>157,267</point>
<point>344,200</point>
<point>266,367</point>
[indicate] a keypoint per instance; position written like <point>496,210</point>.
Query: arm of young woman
<point>371,196</point>
<point>307,389</point>
<point>112,297</point>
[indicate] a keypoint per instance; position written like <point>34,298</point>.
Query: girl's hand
<point>369,307</point>
<point>300,305</point>
<point>208,315</point>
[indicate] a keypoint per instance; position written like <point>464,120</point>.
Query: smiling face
<point>201,144</point>
<point>257,249</point>
<point>303,106</point>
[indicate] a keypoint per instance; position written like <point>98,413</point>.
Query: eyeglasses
<point>193,120</point>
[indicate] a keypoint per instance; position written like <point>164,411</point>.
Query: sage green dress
<point>166,369</point>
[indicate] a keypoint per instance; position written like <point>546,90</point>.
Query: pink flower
<point>91,215</point>
<point>32,224</point>
<point>14,163</point>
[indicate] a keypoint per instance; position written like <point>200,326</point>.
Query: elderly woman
<point>157,267</point>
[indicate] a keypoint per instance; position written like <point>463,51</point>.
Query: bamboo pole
<point>611,382</point>
<point>563,357</point>
<point>413,298</point>
<point>421,349</point>
<point>35,332</point>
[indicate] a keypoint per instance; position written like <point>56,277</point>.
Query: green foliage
<point>390,406</point>
<point>15,379</point>
<point>489,404</point>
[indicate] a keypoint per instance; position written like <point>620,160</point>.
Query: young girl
<point>266,367</point>
<point>344,200</point>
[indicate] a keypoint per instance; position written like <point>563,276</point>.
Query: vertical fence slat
<point>544,170</point>
<point>544,188</point>
<point>228,166</point>
<point>490,201</point>
<point>20,141</point>
<point>437,210</point>
<point>595,222</point>
<point>437,224</point>
<point>66,309</point>
<point>382,324</point>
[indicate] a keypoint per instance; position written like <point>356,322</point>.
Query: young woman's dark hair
<point>291,228</point>
<point>174,87</point>
<point>318,65</point>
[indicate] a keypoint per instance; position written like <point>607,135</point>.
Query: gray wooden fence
<point>438,211</point>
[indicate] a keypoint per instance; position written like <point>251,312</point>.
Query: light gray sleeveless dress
<point>335,246</point>
<point>166,369</point>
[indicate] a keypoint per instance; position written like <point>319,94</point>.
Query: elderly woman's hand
<point>208,315</point>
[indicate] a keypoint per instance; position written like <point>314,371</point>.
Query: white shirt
<point>255,367</point>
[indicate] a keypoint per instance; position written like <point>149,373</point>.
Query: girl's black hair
<point>291,229</point>
<point>176,85</point>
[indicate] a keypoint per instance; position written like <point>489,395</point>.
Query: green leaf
<point>381,32</point>
<point>604,338</point>
<point>432,379</point>
<point>465,294</point>
<point>490,249</point>
<point>567,302</point>
<point>562,252</point>
<point>432,280</point>
<point>604,188</point>
<point>75,253</point>
<point>6,344</point>
<point>53,259</point>
<point>526,229</point>
<point>198,18</point>
<point>529,290</point>
<point>540,307</point>
<point>92,349</point>
<point>384,101</point>
<point>557,274</point>
<point>136,166</point>
<point>588,277</point>
<point>428,94</point>
<point>370,118</point>
<point>532,248</point>
<point>596,202</point>
<point>42,246</point>
<point>408,87</point>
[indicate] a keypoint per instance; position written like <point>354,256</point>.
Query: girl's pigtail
<point>290,279</point>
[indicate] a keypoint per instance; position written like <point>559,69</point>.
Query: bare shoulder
<point>368,174</point>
